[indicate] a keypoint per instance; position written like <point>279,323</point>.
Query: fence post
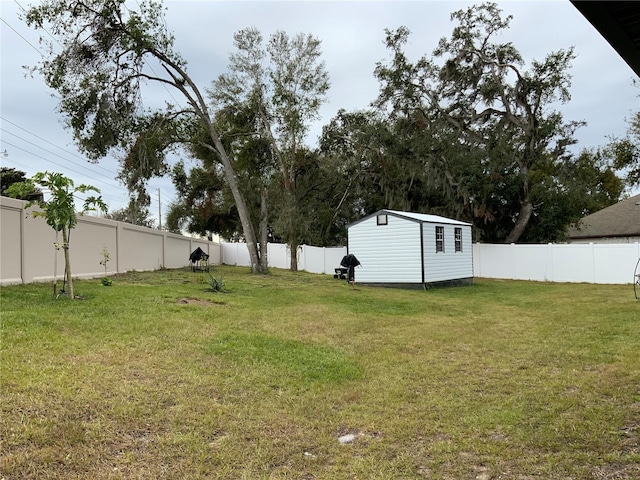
<point>303,257</point>
<point>593,263</point>
<point>119,261</point>
<point>22,246</point>
<point>551,265</point>
<point>164,249</point>
<point>324,260</point>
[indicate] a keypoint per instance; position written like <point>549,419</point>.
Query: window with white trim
<point>458,237</point>
<point>439,239</point>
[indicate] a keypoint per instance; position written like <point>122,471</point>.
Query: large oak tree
<point>108,53</point>
<point>483,92</point>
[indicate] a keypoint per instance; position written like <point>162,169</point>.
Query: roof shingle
<point>621,219</point>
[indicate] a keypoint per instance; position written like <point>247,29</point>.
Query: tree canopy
<point>497,113</point>
<point>9,176</point>
<point>470,131</point>
<point>108,54</point>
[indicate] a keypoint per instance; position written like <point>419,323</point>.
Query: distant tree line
<point>467,132</point>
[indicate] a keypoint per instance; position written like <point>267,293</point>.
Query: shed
<point>411,249</point>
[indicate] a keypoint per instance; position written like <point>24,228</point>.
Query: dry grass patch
<point>155,377</point>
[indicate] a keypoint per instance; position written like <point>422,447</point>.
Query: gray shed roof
<point>417,217</point>
<point>621,219</point>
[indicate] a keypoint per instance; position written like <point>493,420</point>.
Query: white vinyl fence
<point>582,263</point>
<point>27,253</point>
<point>310,259</point>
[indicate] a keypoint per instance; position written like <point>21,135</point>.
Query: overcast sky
<point>352,35</point>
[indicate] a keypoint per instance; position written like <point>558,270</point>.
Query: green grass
<point>158,377</point>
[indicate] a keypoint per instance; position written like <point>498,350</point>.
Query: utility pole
<point>159,212</point>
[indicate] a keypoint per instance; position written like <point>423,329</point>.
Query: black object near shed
<point>199,260</point>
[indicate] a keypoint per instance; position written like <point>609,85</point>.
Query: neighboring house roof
<point>419,217</point>
<point>621,219</point>
<point>619,23</point>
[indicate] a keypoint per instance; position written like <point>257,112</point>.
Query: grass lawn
<point>157,378</point>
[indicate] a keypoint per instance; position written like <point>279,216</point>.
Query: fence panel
<point>332,258</point>
<point>27,252</point>
<point>533,262</point>
<point>278,255</point>
<point>614,263</point>
<point>88,240</point>
<point>312,259</point>
<point>235,254</point>
<point>11,263</point>
<point>144,250</point>
<point>177,250</point>
<point>493,261</point>
<point>574,263</point>
<point>584,262</point>
<point>38,253</point>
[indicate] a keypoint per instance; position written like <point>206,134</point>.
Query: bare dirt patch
<point>197,301</point>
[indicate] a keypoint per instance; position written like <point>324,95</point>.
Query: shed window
<point>439,239</point>
<point>458,236</point>
<point>382,219</point>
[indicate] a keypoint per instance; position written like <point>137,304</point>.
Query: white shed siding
<point>388,253</point>
<point>447,265</point>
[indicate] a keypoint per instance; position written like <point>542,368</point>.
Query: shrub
<point>217,284</point>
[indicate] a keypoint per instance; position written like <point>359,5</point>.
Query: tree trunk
<point>243,211</point>
<point>293,245</point>
<point>67,262</point>
<point>526,209</point>
<point>264,223</point>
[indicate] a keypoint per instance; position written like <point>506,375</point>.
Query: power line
<point>47,31</point>
<point>50,143</point>
<point>13,162</point>
<point>113,184</point>
<point>55,163</point>
<point>104,195</point>
<point>20,35</point>
<point>43,55</point>
<point>61,157</point>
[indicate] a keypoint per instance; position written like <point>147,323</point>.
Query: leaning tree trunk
<point>526,209</point>
<point>264,232</point>
<point>243,211</point>
<point>181,80</point>
<point>524,215</point>
<point>67,262</point>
